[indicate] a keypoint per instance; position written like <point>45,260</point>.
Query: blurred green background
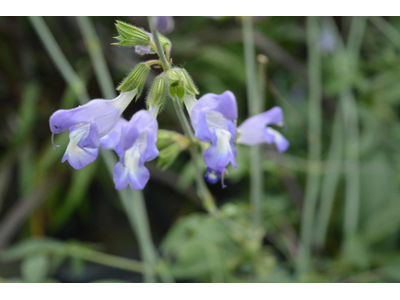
<point>336,188</point>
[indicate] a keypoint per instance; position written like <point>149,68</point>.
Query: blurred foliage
<point>46,206</point>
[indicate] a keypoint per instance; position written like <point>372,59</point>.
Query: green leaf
<point>35,268</point>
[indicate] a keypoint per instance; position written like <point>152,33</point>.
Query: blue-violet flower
<point>213,119</point>
<point>255,131</point>
<point>87,124</point>
<point>137,145</point>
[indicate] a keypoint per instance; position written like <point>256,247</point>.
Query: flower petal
<point>132,171</point>
<point>253,130</point>
<point>104,113</point>
<point>221,152</point>
<point>141,122</point>
<point>190,101</point>
<point>80,156</point>
<point>111,140</point>
<point>282,144</point>
<point>212,177</point>
<point>142,50</point>
<point>224,104</point>
<point>165,24</point>
<point>120,176</point>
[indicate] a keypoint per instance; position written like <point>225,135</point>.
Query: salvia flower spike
<point>99,123</point>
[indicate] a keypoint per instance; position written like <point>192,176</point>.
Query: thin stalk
<point>330,181</point>
<point>59,59</point>
<point>157,43</point>
<point>105,259</point>
<point>350,114</point>
<point>254,102</point>
<point>387,29</point>
<point>262,79</point>
<point>132,197</point>
<point>97,57</point>
<point>314,145</point>
<point>202,189</point>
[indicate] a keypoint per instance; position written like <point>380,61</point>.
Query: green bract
<point>190,87</point>
<point>130,35</point>
<point>156,95</point>
<point>170,144</point>
<point>164,41</point>
<point>135,79</point>
<point>180,83</point>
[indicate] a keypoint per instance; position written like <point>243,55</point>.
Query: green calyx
<point>180,83</point>
<point>175,81</point>
<point>135,79</point>
<point>170,144</point>
<point>189,84</point>
<point>130,35</point>
<point>156,95</point>
<point>164,41</point>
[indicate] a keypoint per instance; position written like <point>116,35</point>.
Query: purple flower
<point>137,145</point>
<point>87,124</point>
<point>142,50</point>
<point>213,119</point>
<point>165,24</point>
<point>111,140</point>
<point>255,131</point>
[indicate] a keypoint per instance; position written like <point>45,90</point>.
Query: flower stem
<point>157,44</point>
<point>104,259</point>
<point>330,181</point>
<point>352,137</point>
<point>96,56</point>
<point>314,145</point>
<point>255,103</point>
<point>202,189</point>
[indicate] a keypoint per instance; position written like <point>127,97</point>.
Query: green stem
<point>314,144</point>
<point>129,197</point>
<point>157,43</point>
<point>351,123</point>
<point>105,259</point>
<point>59,59</point>
<point>330,181</point>
<point>254,102</point>
<point>202,189</point>
<point>387,29</point>
<point>262,79</point>
<point>99,64</point>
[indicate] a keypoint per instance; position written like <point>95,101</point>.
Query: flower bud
<point>130,35</point>
<point>135,79</point>
<point>165,24</point>
<point>175,81</point>
<point>156,95</point>
<point>180,83</point>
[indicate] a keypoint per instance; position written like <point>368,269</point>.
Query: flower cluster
<point>99,123</point>
<point>214,117</point>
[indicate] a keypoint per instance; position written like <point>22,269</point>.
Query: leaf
<point>35,268</point>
